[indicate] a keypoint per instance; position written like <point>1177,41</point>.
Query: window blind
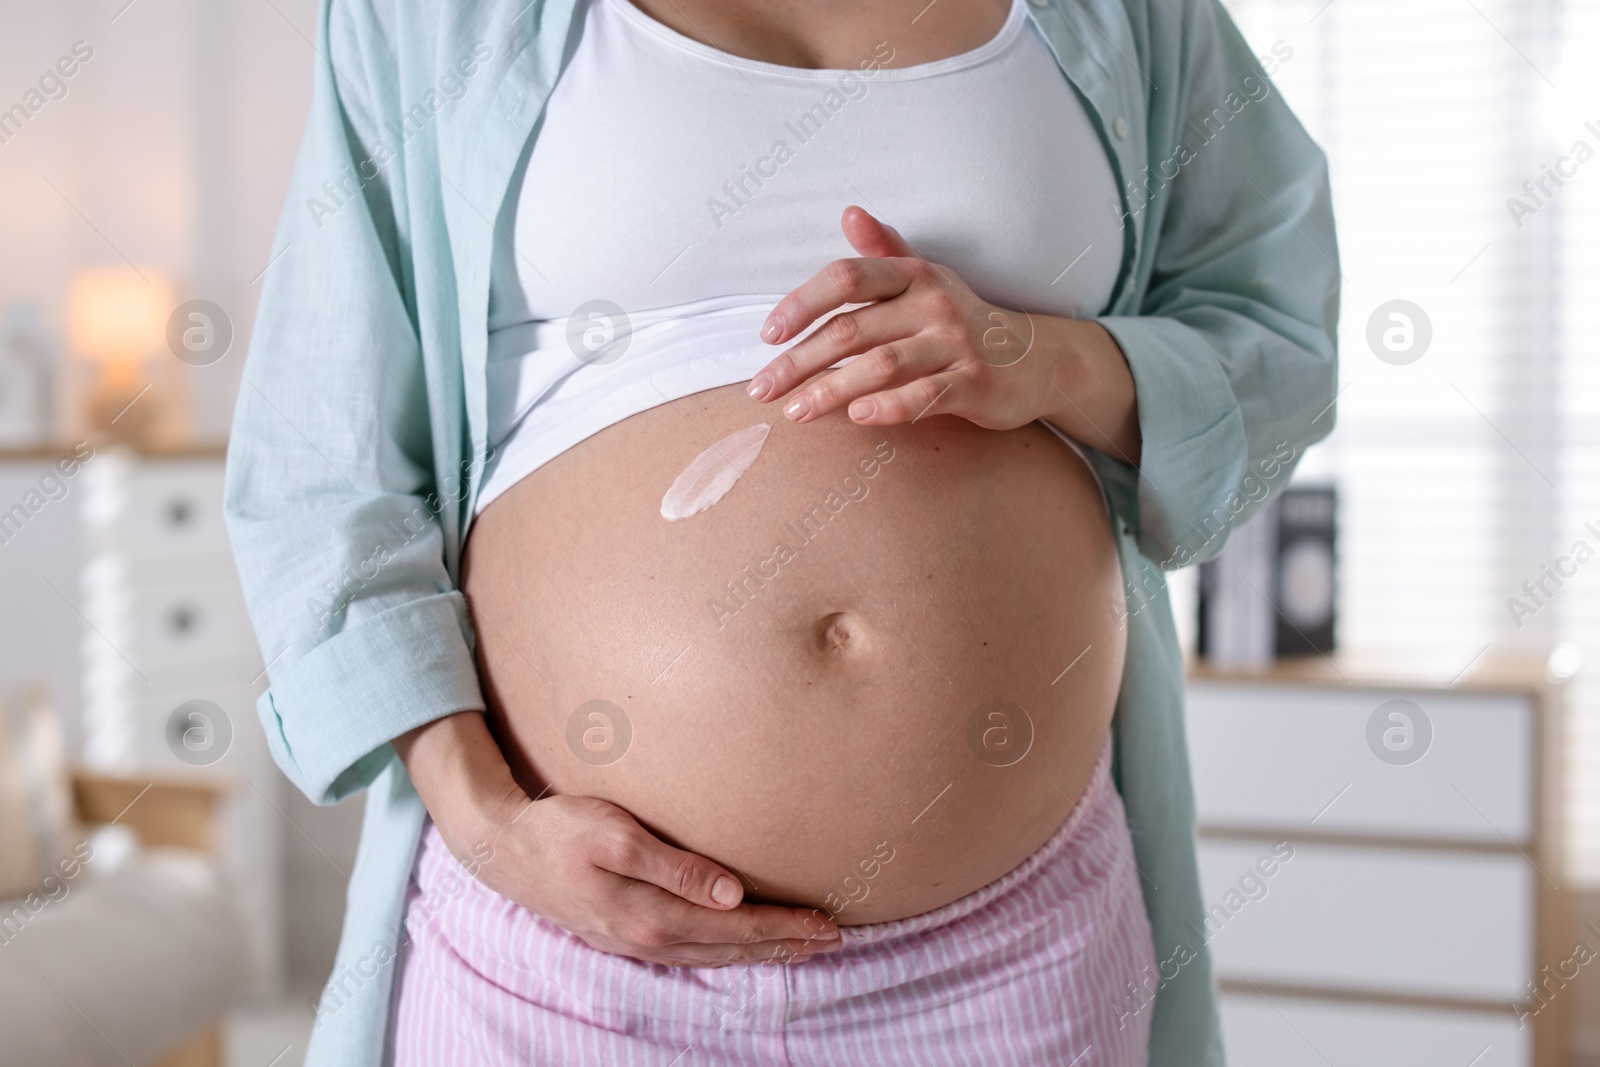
<point>1467,467</point>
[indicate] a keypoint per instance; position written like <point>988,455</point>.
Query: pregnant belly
<point>874,677</point>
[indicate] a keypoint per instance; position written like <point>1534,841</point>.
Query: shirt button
<point>1120,128</point>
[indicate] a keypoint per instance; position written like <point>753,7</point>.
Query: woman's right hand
<point>589,867</point>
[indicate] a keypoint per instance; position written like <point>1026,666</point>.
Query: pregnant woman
<point>705,469</point>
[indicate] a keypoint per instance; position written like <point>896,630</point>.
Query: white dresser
<point>1380,857</point>
<point>167,628</point>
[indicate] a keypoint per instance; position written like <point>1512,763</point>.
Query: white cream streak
<point>712,473</point>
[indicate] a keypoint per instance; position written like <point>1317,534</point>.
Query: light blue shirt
<point>360,427</point>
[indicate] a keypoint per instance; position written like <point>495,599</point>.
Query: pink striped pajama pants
<point>1034,968</point>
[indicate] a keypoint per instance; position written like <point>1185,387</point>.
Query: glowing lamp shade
<point>117,330</point>
<point>117,316</point>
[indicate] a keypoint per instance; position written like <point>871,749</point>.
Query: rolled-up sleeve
<point>334,494</point>
<point>1232,346</point>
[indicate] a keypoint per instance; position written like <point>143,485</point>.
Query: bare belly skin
<point>843,681</point>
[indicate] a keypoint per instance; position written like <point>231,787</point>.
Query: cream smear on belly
<point>712,473</point>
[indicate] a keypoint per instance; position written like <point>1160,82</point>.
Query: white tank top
<point>674,193</point>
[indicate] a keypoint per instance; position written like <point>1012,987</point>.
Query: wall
<point>41,634</point>
<point>171,148</point>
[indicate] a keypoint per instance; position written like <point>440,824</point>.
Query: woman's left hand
<point>927,344</point>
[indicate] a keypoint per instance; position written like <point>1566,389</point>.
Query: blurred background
<point>1393,676</point>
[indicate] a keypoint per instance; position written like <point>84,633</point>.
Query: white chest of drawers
<point>166,625</point>
<point>1420,918</point>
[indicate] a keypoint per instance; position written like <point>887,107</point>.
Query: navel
<point>840,634</point>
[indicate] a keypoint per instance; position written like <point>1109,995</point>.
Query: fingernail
<point>726,891</point>
<point>772,329</point>
<point>798,407</point>
<point>862,409</point>
<point>761,385</point>
<point>831,934</point>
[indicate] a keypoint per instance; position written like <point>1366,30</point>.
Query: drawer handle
<point>178,512</point>
<point>183,620</point>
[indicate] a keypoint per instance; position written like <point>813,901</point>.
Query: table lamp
<point>116,328</point>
